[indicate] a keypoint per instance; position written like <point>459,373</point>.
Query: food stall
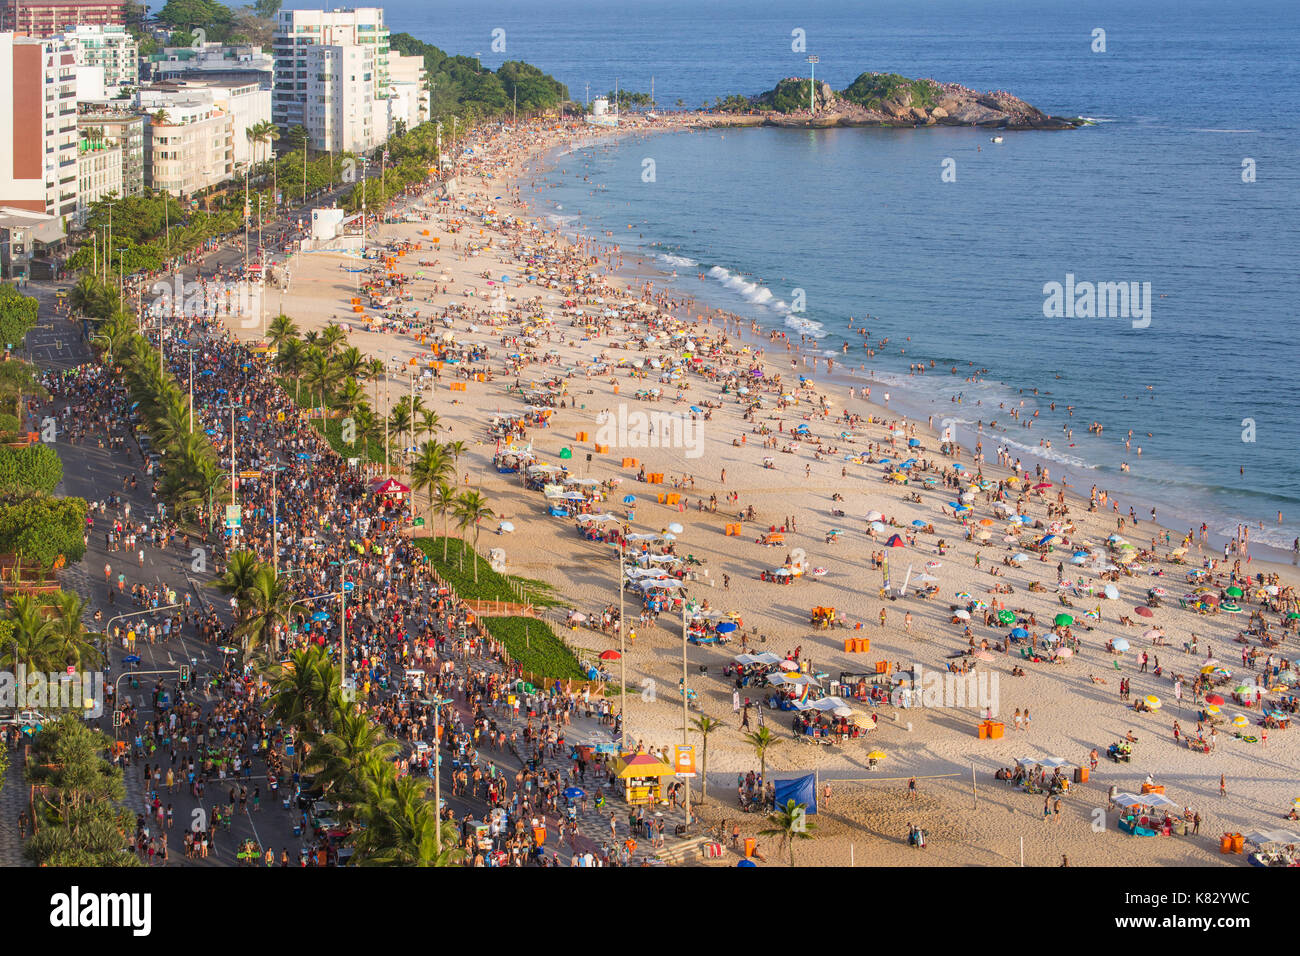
<point>642,775</point>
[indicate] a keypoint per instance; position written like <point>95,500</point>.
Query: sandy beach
<point>486,232</point>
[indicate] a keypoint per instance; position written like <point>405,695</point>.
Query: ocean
<point>1187,182</point>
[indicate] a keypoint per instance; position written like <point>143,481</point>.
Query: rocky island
<point>886,99</point>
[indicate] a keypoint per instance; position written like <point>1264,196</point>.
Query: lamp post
<point>232,406</point>
<point>686,803</point>
<point>812,83</point>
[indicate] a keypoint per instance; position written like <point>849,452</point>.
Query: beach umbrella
<point>983,656</point>
<point>1047,539</point>
<point>320,616</point>
<point>1233,591</point>
<point>1020,556</point>
<point>986,522</point>
<point>879,528</point>
<point>1065,652</point>
<point>574,793</point>
<point>1064,620</point>
<point>788,666</point>
<point>746,862</point>
<point>918,523</point>
<point>1214,699</point>
<point>1212,709</point>
<point>1078,560</point>
<point>1120,644</point>
<point>983,536</point>
<point>1042,486</point>
<point>1143,610</point>
<point>1241,720</point>
<point>1111,592</point>
<point>843,711</point>
<point>1230,607</point>
<point>629,499</point>
<point>1008,539</point>
<point>874,516</point>
<point>961,614</point>
<point>1019,632</point>
<point>726,627</point>
<point>131,659</point>
<point>1152,634</point>
<point>675,528</point>
<point>1292,615</point>
<point>914,443</point>
<point>228,650</point>
<point>1153,701</point>
<point>506,526</point>
<point>928,579</point>
<point>876,755</point>
<point>1006,617</point>
<point>610,655</point>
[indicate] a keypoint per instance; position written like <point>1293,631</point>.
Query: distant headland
<point>886,99</point>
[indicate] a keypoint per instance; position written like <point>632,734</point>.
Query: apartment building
<point>124,126</point>
<point>331,72</point>
<point>244,96</point>
<point>184,62</point>
<point>408,100</point>
<point>99,171</point>
<point>188,140</point>
<point>38,133</point>
<point>108,61</point>
<point>45,18</point>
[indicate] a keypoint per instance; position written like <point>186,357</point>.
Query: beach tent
<point>800,790</point>
<point>895,542</point>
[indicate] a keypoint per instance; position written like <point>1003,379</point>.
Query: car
<point>25,718</point>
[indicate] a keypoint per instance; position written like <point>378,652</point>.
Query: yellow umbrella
<point>1241,720</point>
<point>1153,701</point>
<point>876,755</point>
<point>1212,709</point>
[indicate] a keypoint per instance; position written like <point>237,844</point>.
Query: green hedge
<point>491,586</point>
<point>40,529</point>
<point>535,647</point>
<point>34,468</point>
<point>17,316</point>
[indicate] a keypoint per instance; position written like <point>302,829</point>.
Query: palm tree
<point>400,421</point>
<point>303,695</point>
<point>268,602</point>
<point>89,296</point>
<point>471,508</point>
<point>790,824</point>
<point>71,632</point>
<point>34,641</point>
<point>761,740</point>
<point>292,360</point>
<point>281,329</point>
<point>337,757</point>
<point>705,725</point>
<point>349,397</point>
<point>332,339</point>
<point>160,118</point>
<point>430,469</point>
<point>239,579</point>
<point>320,375</point>
<point>352,363</point>
<point>443,502</point>
<point>429,425</point>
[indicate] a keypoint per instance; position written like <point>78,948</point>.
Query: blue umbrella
<point>1019,632</point>
<point>629,499</point>
<point>726,627</point>
<point>746,863</point>
<point>210,431</point>
<point>914,443</point>
<point>918,523</point>
<point>320,616</point>
<point>697,410</point>
<point>208,371</point>
<point>574,793</point>
<point>885,461</point>
<point>131,659</point>
<point>303,456</point>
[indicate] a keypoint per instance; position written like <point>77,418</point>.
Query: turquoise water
<point>954,272</point>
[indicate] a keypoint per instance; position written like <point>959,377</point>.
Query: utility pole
<point>812,83</point>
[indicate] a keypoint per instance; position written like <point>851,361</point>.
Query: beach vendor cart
<point>642,777</point>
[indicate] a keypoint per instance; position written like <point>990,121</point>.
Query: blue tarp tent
<point>800,790</point>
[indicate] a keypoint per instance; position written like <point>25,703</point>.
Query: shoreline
<point>917,403</point>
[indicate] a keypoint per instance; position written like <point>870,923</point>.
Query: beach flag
<point>800,790</point>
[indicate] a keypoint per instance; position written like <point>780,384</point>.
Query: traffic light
<point>185,673</point>
<point>117,718</point>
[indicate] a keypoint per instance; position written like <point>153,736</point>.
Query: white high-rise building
<point>108,61</point>
<point>38,127</point>
<point>189,140</point>
<point>331,72</point>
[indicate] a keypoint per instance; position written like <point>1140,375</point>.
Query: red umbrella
<point>1144,611</point>
<point>1214,699</point>
<point>610,655</point>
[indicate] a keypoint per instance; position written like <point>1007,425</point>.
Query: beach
<point>731,456</point>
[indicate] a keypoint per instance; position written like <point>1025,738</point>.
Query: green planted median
<point>535,647</point>
<point>458,571</point>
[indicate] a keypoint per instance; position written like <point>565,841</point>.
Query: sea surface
<point>864,223</point>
